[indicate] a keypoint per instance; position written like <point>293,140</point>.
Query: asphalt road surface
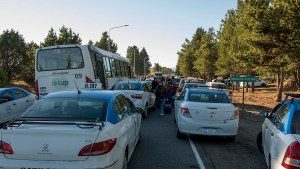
<point>160,149</point>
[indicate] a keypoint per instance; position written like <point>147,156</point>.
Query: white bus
<point>66,67</point>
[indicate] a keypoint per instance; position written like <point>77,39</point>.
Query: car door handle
<point>14,104</point>
<point>27,100</point>
<point>272,134</point>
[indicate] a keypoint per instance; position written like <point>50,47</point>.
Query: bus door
<point>101,72</point>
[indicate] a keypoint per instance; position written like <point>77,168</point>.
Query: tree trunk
<point>297,78</point>
<point>252,87</point>
<point>280,80</point>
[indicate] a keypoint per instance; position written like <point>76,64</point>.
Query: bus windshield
<point>59,59</point>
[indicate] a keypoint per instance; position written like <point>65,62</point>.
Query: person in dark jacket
<point>161,95</point>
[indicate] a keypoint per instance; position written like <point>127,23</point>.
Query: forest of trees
<point>259,38</point>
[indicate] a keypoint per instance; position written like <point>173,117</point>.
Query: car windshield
<point>68,109</point>
<point>208,98</point>
<point>195,85</point>
<point>127,86</point>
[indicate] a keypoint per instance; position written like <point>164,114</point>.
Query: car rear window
<point>296,123</point>
<point>68,109</point>
<point>127,86</point>
<point>208,98</point>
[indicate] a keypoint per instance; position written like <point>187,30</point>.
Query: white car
<point>220,86</point>
<point>139,93</point>
<point>13,102</point>
<point>73,130</point>
<point>280,135</point>
<point>258,83</point>
<point>206,112</point>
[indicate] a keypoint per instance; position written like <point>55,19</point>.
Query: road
<point>160,149</point>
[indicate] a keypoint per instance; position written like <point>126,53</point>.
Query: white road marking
<point>200,163</point>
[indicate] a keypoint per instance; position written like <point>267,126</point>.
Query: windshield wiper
<point>92,125</point>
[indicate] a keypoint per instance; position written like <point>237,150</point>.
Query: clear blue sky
<point>161,26</point>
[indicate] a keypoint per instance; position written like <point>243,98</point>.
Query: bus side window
<point>107,67</point>
<point>113,68</point>
<point>93,58</point>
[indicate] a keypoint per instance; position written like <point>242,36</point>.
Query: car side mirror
<point>263,114</point>
<point>139,110</point>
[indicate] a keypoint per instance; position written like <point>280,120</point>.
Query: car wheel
<point>125,161</point>
<point>145,114</point>
<point>270,164</point>
<point>174,119</point>
<point>140,137</point>
<point>263,85</point>
<point>230,138</point>
<point>179,135</point>
<point>259,142</point>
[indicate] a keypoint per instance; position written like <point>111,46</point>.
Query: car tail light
<point>99,148</point>
<point>5,148</point>
<point>235,115</point>
<point>185,112</point>
<point>291,159</point>
<point>137,96</point>
<point>36,86</point>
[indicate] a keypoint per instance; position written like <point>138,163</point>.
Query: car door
<point>127,122</point>
<point>151,96</point>
<point>178,103</point>
<point>22,102</point>
<point>272,127</point>
<point>7,106</point>
<point>137,119</point>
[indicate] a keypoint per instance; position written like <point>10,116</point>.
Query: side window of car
<point>130,106</point>
<point>273,112</point>
<point>6,97</point>
<point>145,88</point>
<point>182,95</point>
<point>280,115</point>
<point>19,94</point>
<point>120,106</point>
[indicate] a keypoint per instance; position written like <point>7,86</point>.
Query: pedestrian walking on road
<point>161,94</point>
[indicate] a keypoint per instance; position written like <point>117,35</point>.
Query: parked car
<point>73,130</point>
<point>193,85</point>
<point>13,102</point>
<point>139,93</point>
<point>280,134</point>
<point>258,83</point>
<point>206,112</point>
<point>220,86</point>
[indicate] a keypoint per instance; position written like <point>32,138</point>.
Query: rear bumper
<point>188,126</point>
<point>25,164</point>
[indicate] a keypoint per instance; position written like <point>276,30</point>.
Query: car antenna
<point>77,88</point>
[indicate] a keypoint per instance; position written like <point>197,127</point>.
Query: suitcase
<point>167,108</point>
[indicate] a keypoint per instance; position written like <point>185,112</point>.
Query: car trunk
<point>131,94</point>
<point>210,113</point>
<point>48,142</point>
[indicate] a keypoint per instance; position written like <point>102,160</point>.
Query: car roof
<point>7,88</point>
<point>99,94</point>
<point>205,91</point>
<point>131,82</point>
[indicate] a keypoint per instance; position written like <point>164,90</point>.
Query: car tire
<point>259,142</point>
<point>230,138</point>
<point>270,164</point>
<point>174,119</point>
<point>145,114</point>
<point>125,161</point>
<point>179,135</point>
<point>263,85</point>
<point>140,137</point>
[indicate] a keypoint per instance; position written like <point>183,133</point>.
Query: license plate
<point>210,130</point>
